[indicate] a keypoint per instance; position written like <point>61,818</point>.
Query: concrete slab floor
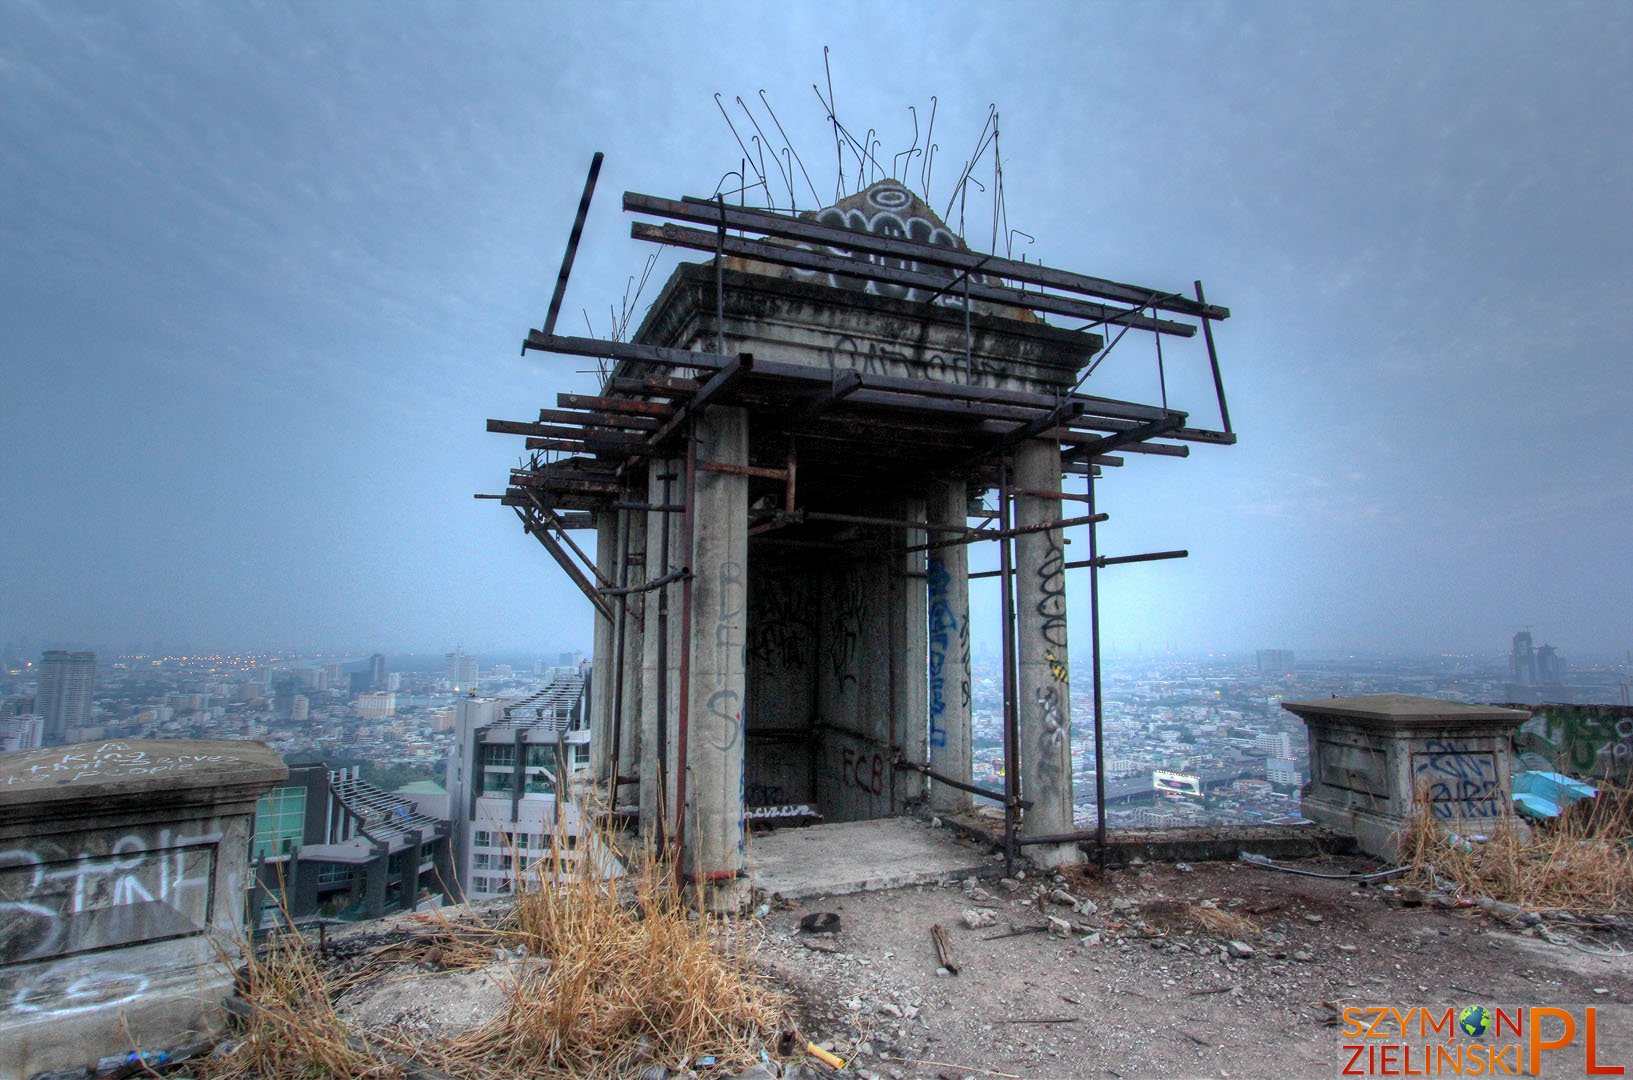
<point>861,856</point>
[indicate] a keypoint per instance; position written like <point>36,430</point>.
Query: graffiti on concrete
<point>865,771</point>
<point>947,631</point>
<point>887,209</point>
<point>61,994</point>
<point>782,626</point>
<point>55,902</point>
<point>1051,604</point>
<point>1460,779</point>
<point>1596,739</point>
<point>1051,728</point>
<point>845,629</point>
<point>107,761</point>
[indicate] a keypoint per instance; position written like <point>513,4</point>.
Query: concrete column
<point>374,885</point>
<point>601,672</point>
<point>1040,615</point>
<point>713,853</point>
<point>948,598</point>
<point>660,687</point>
<point>629,752</point>
<point>909,661</point>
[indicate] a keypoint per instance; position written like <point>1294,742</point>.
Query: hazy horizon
<point>266,272</point>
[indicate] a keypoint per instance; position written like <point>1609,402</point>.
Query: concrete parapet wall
<point>1371,758</point>
<point>123,876</point>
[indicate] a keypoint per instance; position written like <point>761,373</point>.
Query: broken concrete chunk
<point>1240,950</point>
<point>1059,927</point>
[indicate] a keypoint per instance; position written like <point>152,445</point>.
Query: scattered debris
<point>944,948</point>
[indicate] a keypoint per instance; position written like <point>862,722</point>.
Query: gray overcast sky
<point>264,271</point>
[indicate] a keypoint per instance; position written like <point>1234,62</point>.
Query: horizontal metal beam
<point>867,270</point>
<point>614,405</point>
<point>708,212</point>
<point>623,350</point>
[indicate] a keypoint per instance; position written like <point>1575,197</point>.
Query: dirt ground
<point>1138,989</point>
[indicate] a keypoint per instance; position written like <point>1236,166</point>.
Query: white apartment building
<point>515,758</point>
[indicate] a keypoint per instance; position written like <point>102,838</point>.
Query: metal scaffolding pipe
<point>1012,780</point>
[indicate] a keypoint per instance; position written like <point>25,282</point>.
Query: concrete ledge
<point>1220,843</point>
<point>861,856</point>
<point>1223,843</point>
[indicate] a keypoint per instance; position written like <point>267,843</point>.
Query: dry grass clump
<point>604,977</point>
<point>291,1031</point>
<point>632,975</point>
<point>1581,863</point>
<point>1221,923</point>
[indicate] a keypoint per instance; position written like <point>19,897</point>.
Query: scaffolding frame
<point>838,425</point>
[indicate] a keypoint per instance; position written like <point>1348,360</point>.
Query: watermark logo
<point>1481,1040</point>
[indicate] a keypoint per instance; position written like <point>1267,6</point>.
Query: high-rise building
<point>64,699</point>
<point>1275,744</point>
<point>300,709</point>
<point>377,705</point>
<point>377,671</point>
<point>1275,661</point>
<point>21,733</point>
<point>460,670</point>
<point>1522,659</point>
<point>511,759</point>
<point>1283,771</point>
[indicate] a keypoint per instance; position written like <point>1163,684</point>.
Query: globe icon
<point>1475,1020</point>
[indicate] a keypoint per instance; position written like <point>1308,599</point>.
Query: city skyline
<point>273,273</point>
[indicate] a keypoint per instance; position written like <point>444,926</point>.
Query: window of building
<point>280,822</point>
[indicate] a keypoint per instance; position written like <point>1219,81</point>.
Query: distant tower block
<point>779,469</point>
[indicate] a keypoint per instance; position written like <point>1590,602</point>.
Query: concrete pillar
<point>374,884</point>
<point>713,855</point>
<point>909,661</point>
<point>1045,692</point>
<point>660,688</point>
<point>948,599</point>
<point>629,752</point>
<point>601,668</point>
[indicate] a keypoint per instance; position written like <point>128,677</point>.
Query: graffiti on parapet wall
<point>1460,779</point>
<point>1595,739</point>
<point>57,902</point>
<point>108,761</point>
<point>61,993</point>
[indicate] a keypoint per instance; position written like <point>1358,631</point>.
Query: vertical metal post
<point>1006,578</point>
<point>1213,360</point>
<point>1099,715</point>
<point>622,572</point>
<point>663,671</point>
<point>683,706</point>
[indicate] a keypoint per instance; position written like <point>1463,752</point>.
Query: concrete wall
<point>123,869</point>
<point>1373,758</point>
<point>781,705</point>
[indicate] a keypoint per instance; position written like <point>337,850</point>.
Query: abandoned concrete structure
<point>123,877</point>
<point>781,470</point>
<point>1372,758</point>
